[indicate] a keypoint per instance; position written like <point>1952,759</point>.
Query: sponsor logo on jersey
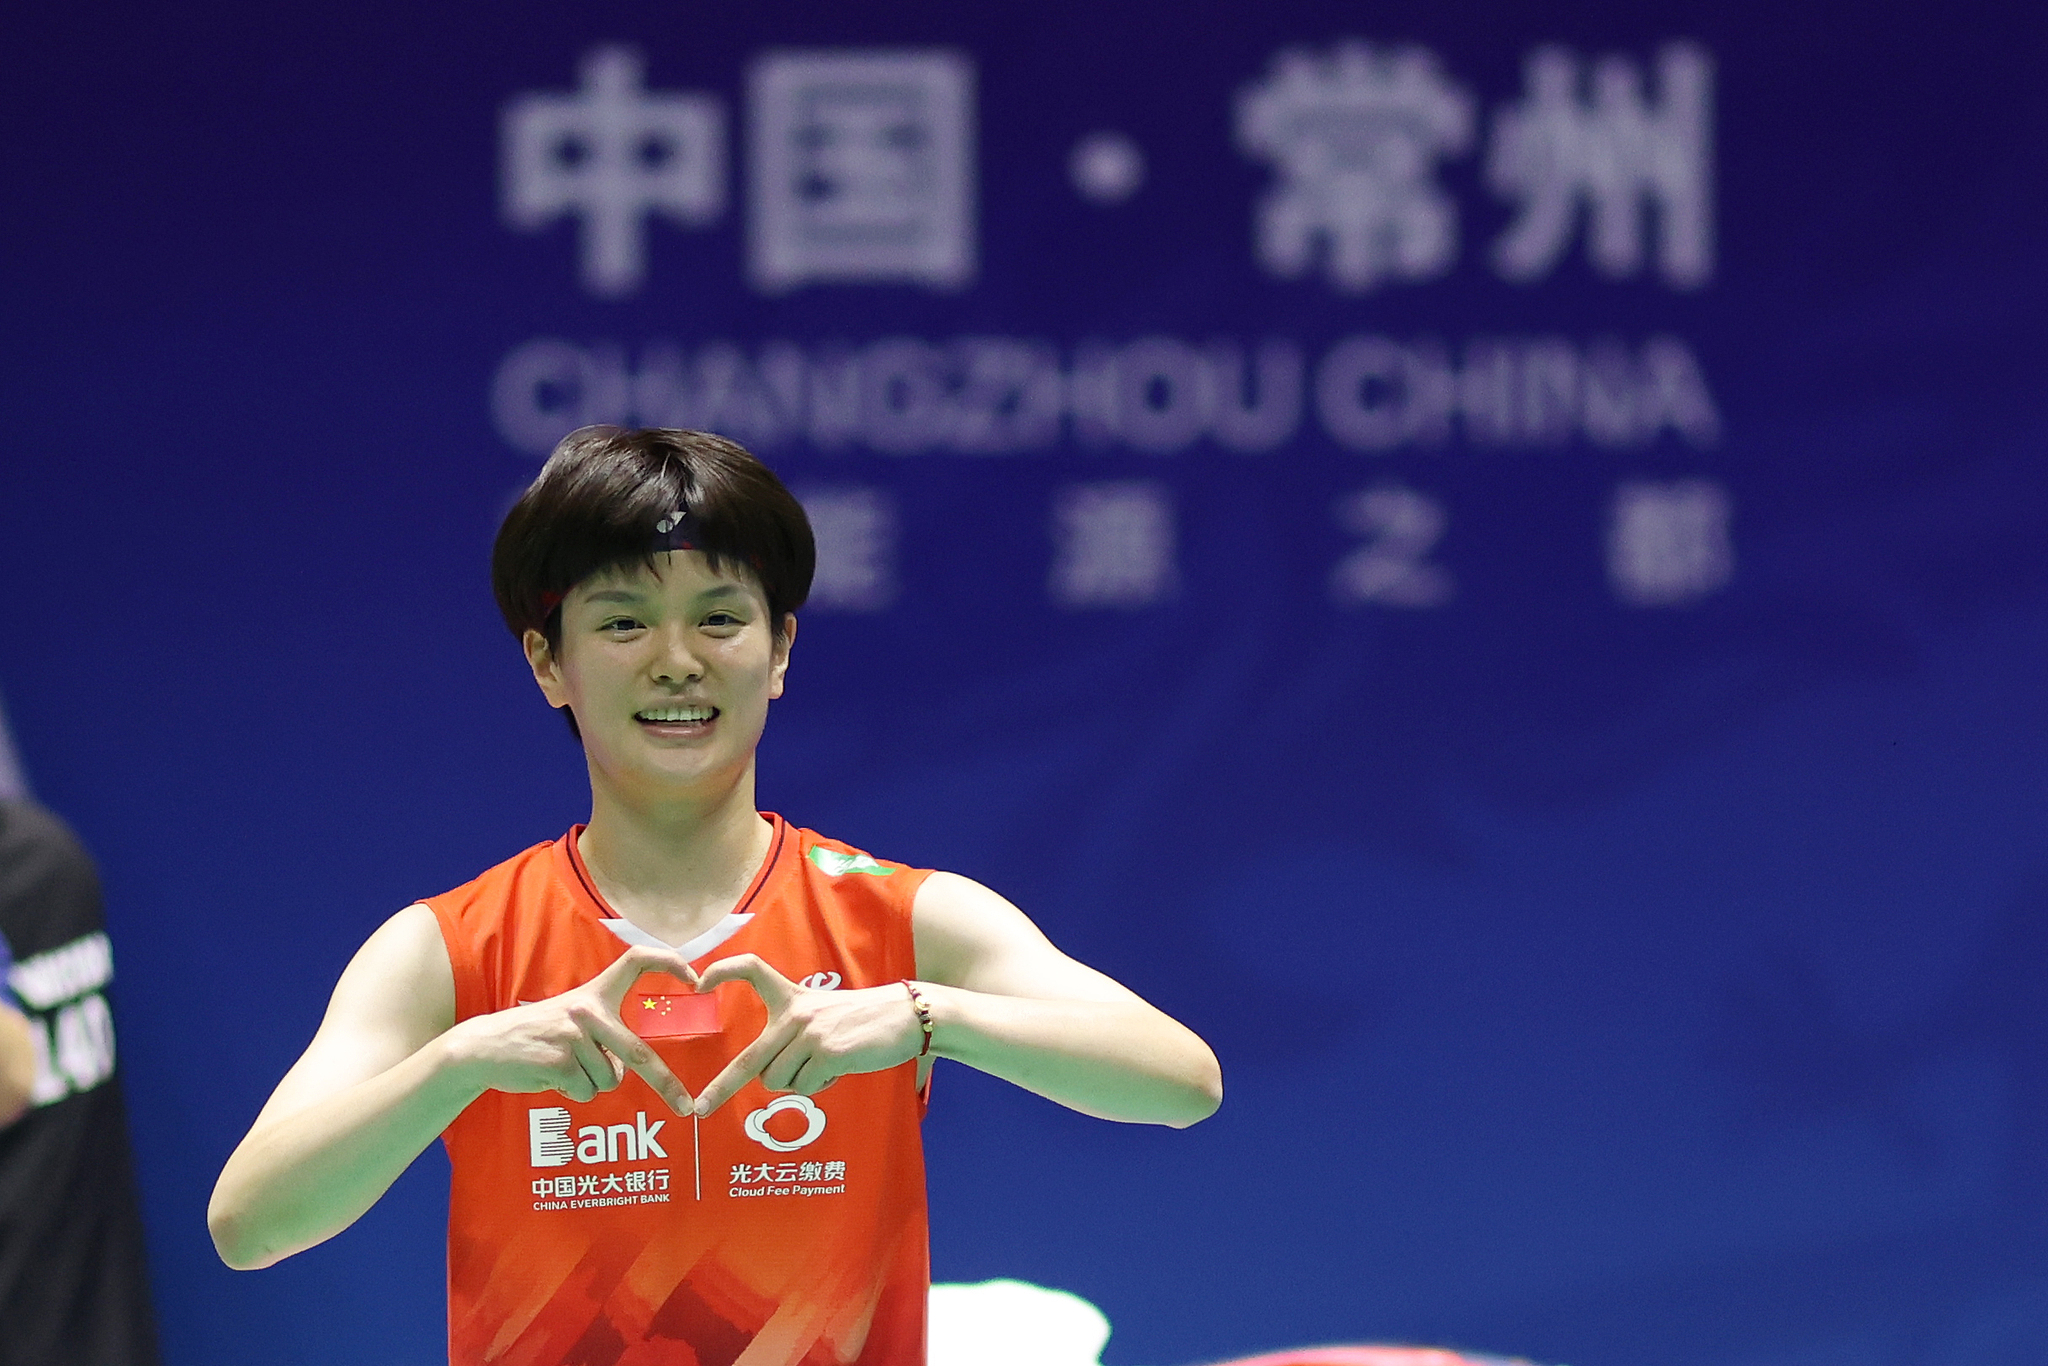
<point>547,1137</point>
<point>549,1143</point>
<point>814,1123</point>
<point>838,865</point>
<point>822,981</point>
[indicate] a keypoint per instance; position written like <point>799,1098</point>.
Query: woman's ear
<point>541,658</point>
<point>783,641</point>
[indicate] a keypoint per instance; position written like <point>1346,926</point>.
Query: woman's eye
<point>621,624</point>
<point>719,619</point>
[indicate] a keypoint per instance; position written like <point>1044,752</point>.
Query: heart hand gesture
<point>812,1037</point>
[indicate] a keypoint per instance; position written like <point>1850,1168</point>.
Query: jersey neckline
<point>728,925</point>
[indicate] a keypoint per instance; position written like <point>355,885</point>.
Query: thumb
<point>615,981</point>
<point>775,990</point>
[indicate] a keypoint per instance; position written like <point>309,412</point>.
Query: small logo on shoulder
<point>836,864</point>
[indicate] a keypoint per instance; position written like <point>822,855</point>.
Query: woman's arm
<point>1003,1000</point>
<point>389,1070</point>
<point>1007,1002</point>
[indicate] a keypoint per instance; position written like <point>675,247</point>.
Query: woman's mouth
<point>677,720</point>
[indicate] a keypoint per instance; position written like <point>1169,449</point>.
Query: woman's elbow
<point>233,1239</point>
<point>1205,1094</point>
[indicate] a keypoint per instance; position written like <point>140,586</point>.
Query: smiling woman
<point>652,579</point>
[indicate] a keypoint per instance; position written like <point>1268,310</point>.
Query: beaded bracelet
<point>924,1014</point>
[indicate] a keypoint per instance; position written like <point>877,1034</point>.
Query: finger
<point>783,1067</point>
<point>595,1063</point>
<point>817,1073</point>
<point>629,967</point>
<point>771,986</point>
<point>635,1054</point>
<point>745,1067</point>
<point>573,1080</point>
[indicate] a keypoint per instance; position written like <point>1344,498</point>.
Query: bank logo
<point>547,1137</point>
<point>822,981</point>
<point>814,1123</point>
<point>550,1145</point>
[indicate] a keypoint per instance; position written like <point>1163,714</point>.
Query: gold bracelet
<point>924,1014</point>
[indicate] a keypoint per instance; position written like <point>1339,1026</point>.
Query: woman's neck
<point>677,869</point>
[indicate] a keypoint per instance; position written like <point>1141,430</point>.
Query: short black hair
<point>600,502</point>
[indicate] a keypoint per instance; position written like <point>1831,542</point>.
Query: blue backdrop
<point>1487,556</point>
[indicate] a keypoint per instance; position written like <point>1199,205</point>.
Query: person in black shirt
<point>74,1290</point>
<point>17,1050</point>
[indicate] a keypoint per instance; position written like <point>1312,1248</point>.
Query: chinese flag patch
<point>663,1015</point>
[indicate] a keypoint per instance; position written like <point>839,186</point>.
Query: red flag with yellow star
<point>667,1015</point>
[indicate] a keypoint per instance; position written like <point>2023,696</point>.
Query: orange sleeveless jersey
<point>785,1230</point>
